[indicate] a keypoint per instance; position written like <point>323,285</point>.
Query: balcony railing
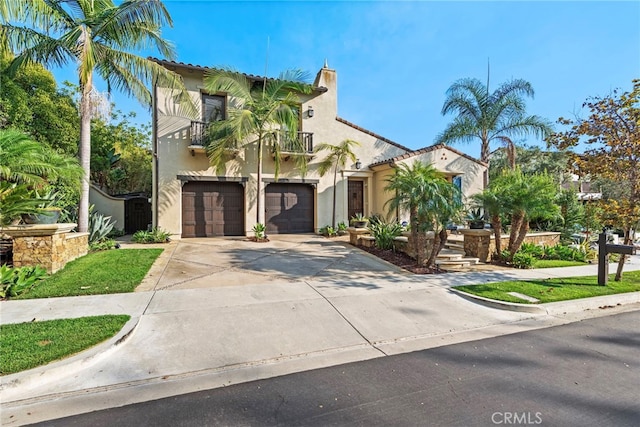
<point>198,133</point>
<point>304,144</point>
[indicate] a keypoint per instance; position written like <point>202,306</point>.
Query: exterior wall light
<point>358,164</point>
<point>310,111</point>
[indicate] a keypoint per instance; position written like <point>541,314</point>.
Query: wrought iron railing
<point>198,133</point>
<point>304,144</point>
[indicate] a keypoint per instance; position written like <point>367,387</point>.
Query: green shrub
<point>15,281</point>
<point>384,233</point>
<point>156,235</point>
<point>259,230</point>
<point>102,245</point>
<point>328,231</point>
<point>534,250</point>
<point>523,260</point>
<point>342,227</point>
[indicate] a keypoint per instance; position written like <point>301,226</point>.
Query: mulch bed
<point>401,260</point>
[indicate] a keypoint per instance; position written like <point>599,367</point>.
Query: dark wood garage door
<point>289,208</point>
<point>212,209</point>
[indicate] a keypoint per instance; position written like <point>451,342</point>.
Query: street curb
<point>559,307</point>
<point>21,381</point>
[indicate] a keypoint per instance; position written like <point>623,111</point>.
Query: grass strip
<point>27,345</point>
<point>552,263</point>
<point>106,272</point>
<point>558,289</point>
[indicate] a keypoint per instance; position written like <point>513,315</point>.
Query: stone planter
<point>49,216</point>
<point>476,225</point>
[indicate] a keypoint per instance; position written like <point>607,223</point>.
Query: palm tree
<point>521,197</point>
<point>97,37</point>
<point>337,158</point>
<point>24,165</point>
<point>490,116</point>
<point>431,201</point>
<point>260,114</point>
<point>30,163</point>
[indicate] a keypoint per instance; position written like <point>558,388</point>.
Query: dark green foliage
<point>384,232</point>
<point>31,102</point>
<point>156,235</point>
<point>16,281</point>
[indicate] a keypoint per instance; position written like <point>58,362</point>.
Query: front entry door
<point>356,198</point>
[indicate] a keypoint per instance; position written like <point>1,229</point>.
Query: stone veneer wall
<point>50,246</point>
<point>481,243</point>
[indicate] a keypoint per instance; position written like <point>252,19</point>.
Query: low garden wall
<point>481,243</point>
<point>50,246</point>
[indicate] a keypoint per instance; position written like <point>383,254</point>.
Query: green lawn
<point>551,290</point>
<point>105,272</point>
<point>27,345</point>
<point>551,263</point>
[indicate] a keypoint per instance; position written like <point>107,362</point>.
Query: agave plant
<point>99,226</point>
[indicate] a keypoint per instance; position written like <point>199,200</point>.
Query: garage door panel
<point>289,208</point>
<point>212,209</point>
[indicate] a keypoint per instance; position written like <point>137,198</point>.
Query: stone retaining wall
<point>50,246</point>
<point>481,243</point>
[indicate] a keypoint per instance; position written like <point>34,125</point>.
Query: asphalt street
<point>581,374</point>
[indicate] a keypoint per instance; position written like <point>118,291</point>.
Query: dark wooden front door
<point>137,214</point>
<point>289,208</point>
<point>356,198</point>
<point>212,209</point>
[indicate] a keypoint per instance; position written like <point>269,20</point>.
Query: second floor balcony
<point>302,145</point>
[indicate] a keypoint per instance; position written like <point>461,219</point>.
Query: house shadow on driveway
<point>222,261</point>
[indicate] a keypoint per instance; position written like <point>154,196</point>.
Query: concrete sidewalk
<point>341,306</point>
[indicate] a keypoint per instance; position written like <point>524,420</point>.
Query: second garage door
<point>212,209</point>
<point>289,208</point>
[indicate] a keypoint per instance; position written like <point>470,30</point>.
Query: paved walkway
<point>214,312</point>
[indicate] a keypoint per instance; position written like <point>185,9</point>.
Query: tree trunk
<point>335,180</point>
<point>259,178</point>
<point>418,237</point>
<point>516,224</point>
<point>439,241</point>
<point>524,228</point>
<point>496,223</point>
<point>84,154</point>
<point>627,241</point>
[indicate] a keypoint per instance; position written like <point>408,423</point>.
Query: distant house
<point>191,199</point>
<point>583,188</point>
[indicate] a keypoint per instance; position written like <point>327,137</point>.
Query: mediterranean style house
<point>193,199</point>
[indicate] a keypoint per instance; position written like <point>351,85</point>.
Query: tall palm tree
<point>486,116</point>
<point>337,158</point>
<point>97,37</point>
<point>431,201</point>
<point>261,113</point>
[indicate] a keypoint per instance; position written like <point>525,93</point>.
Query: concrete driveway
<point>214,262</point>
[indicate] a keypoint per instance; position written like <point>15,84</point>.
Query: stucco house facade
<point>193,199</point>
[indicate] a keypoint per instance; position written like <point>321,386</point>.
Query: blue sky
<point>395,60</point>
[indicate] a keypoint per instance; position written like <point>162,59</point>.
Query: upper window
<point>213,108</point>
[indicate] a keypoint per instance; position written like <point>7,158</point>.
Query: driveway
<point>214,262</point>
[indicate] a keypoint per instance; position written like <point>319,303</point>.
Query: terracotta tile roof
<point>166,63</point>
<point>368,132</point>
<point>427,150</point>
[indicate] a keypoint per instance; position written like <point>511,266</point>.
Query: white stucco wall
<point>174,158</point>
<point>107,205</point>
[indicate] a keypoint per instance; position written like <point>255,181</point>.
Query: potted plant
<point>359,220</point>
<point>475,218</point>
<point>46,212</point>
